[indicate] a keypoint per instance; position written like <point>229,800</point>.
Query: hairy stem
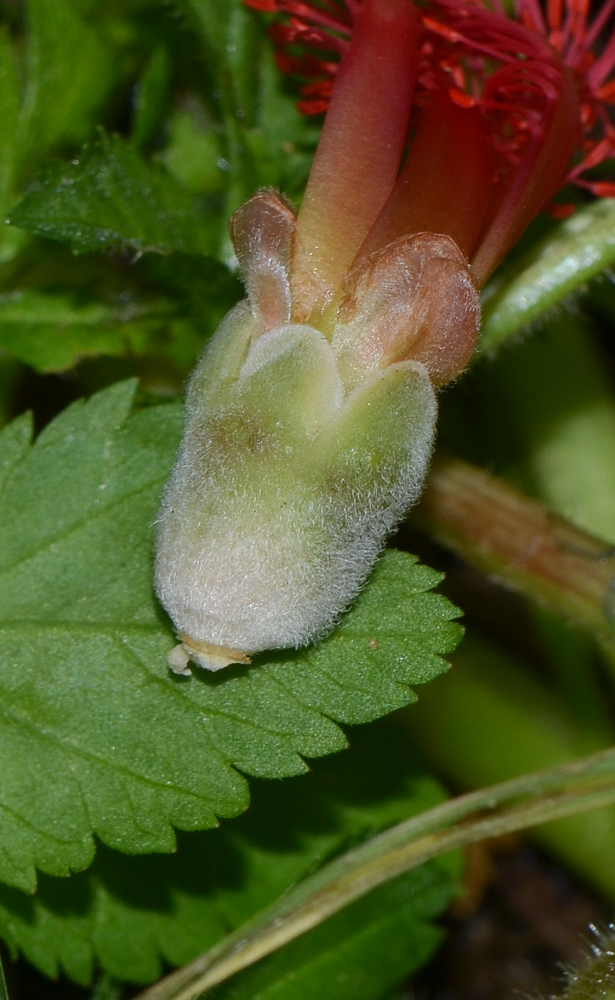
<point>507,535</point>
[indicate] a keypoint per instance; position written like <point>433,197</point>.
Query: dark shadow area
<point>521,919</point>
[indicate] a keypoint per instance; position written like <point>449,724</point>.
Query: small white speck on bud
<point>306,439</point>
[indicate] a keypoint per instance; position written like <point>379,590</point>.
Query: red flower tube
<point>505,111</point>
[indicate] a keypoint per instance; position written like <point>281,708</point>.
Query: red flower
<point>493,114</point>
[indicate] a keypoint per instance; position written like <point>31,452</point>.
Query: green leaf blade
<point>100,737</point>
<point>129,914</point>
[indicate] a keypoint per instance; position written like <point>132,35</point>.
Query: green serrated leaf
<point>130,914</point>
<point>576,251</point>
<point>111,198</point>
<point>52,332</point>
<point>96,734</point>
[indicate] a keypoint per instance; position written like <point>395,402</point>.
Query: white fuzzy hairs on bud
<point>295,463</point>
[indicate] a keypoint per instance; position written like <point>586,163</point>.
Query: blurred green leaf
<point>4,993</point>
<point>283,141</point>
<point>52,332</point>
<point>547,412</point>
<point>48,94</point>
<point>363,951</point>
<point>10,104</point>
<point>265,139</point>
<point>152,98</point>
<point>70,72</point>
<point>193,154</point>
<point>111,198</point>
<point>232,38</point>
<point>90,714</point>
<point>490,720</point>
<point>203,290</point>
<point>232,41</point>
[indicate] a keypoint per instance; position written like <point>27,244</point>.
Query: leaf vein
<point>92,517</point>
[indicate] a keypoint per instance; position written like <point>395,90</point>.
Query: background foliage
<point>131,130</point>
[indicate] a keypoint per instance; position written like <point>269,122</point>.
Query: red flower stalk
<point>494,115</point>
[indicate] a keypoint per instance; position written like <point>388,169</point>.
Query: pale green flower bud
<point>297,460</point>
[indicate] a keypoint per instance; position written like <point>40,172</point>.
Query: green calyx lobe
<point>282,416</point>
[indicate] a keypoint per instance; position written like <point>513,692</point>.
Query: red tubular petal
<point>266,6</point>
<point>554,14</point>
<point>445,184</point>
<point>362,140</point>
<point>598,73</point>
<point>534,181</point>
<point>599,22</point>
<point>559,211</point>
<point>602,189</point>
<point>607,91</point>
<point>313,106</point>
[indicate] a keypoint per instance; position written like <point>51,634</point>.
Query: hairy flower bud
<point>302,448</point>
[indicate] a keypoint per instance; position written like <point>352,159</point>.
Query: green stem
<point>547,413</point>
<point>574,252</point>
<point>489,720</point>
<point>513,805</point>
<point>4,993</point>
<point>505,534</point>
